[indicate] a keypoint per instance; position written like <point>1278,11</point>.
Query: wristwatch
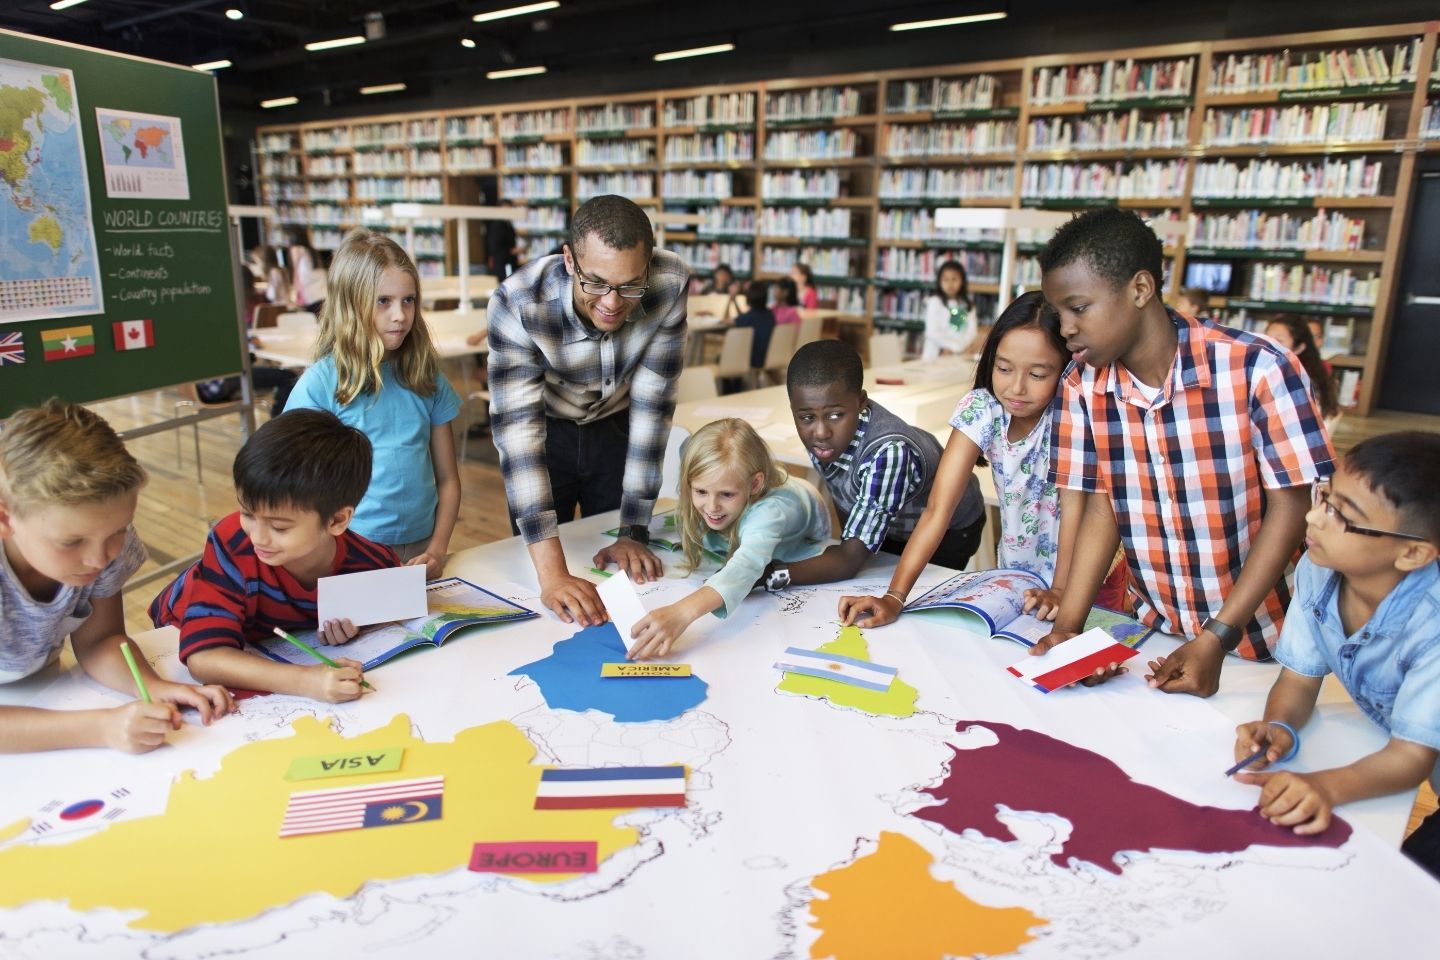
<point>637,532</point>
<point>1229,636</point>
<point>778,580</point>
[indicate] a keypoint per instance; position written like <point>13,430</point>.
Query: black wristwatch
<point>1229,636</point>
<point>637,532</point>
<point>778,580</point>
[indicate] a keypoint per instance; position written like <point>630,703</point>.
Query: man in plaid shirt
<point>585,352</point>
<point>1205,440</point>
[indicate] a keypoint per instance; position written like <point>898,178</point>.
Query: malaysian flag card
<point>603,788</point>
<point>359,808</point>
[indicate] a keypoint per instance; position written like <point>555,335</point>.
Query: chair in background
<point>734,355</point>
<point>267,313</point>
<point>809,329</point>
<point>886,350</point>
<point>670,465</point>
<point>778,354</point>
<point>468,407</point>
<point>719,305</point>
<point>695,383</point>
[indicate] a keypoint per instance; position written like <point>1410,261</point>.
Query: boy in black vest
<point>879,469</point>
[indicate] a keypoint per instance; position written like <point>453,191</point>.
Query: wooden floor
<point>178,507</point>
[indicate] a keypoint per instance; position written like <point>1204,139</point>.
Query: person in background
<point>1294,334</point>
<point>502,249</point>
<point>262,377</point>
<point>1317,333</point>
<point>804,279</point>
<point>721,281</point>
<point>307,276</point>
<point>951,324</point>
<point>787,299</point>
<point>758,317</point>
<point>277,280</point>
<point>1193,301</point>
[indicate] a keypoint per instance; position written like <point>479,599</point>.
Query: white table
<point>448,328</point>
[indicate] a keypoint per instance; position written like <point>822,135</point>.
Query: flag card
<point>599,788</point>
<point>1075,659</point>
<point>832,666</point>
<point>12,347</point>
<point>373,596</point>
<point>356,808</point>
<point>536,856</point>
<point>133,334</point>
<point>623,604</point>
<point>66,343</point>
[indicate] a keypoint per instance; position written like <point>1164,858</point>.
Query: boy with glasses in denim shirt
<point>1367,608</point>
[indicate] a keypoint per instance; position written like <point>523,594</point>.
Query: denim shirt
<point>1390,666</point>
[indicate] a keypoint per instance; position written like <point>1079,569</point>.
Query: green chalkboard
<point>127,151</point>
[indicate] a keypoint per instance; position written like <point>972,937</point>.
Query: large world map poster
<point>48,262</point>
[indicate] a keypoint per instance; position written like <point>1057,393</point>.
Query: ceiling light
<point>383,88</point>
<point>212,65</point>
<point>514,72</point>
<point>279,102</point>
<point>234,13</point>
<point>695,52</point>
<point>516,11</point>
<point>337,42</point>
<point>62,4</point>
<point>467,43</point>
<point>948,21</point>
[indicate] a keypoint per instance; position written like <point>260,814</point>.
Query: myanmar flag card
<point>68,342</point>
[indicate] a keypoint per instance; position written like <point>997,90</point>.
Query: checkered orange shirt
<point>1187,474</point>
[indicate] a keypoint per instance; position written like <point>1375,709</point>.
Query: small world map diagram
<point>144,155</point>
<point>48,263</point>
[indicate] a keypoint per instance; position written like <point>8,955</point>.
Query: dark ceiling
<point>605,46</point>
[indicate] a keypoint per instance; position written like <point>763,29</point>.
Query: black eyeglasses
<point>595,288</point>
<point>1321,498</point>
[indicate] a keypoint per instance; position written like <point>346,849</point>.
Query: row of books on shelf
<point>920,266</point>
<point>919,224</point>
<point>542,219</point>
<point>707,256</point>
<point>730,220</point>
<point>1260,230</point>
<point>1315,69</point>
<point>1150,178</point>
<point>1112,130</point>
<point>725,108</point>
<point>631,152</point>
<point>1430,121</point>
<point>722,147</point>
<point>409,161</point>
<point>811,144</point>
<point>817,103</point>
<point>614,116</point>
<point>462,160</point>
<point>281,166</point>
<point>698,184</point>
<point>636,186</point>
<point>536,247</point>
<point>804,222</point>
<point>825,261</point>
<point>396,134</point>
<point>800,184</point>
<point>534,123</point>
<point>399,188</point>
<point>1294,124</point>
<point>1264,178</point>
<point>940,95</point>
<point>1306,283</point>
<point>468,130</point>
<point>952,139</point>
<point>539,155</point>
<point>907,183</point>
<point>532,186</point>
<point>1112,80</point>
<point>1337,337</point>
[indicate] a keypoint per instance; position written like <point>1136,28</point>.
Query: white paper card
<point>373,596</point>
<point>623,604</point>
<point>1076,648</point>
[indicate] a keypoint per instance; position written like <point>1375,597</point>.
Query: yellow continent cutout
<point>898,701</point>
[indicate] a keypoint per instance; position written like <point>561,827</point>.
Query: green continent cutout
<point>59,88</point>
<point>898,701</point>
<point>47,230</point>
<point>17,104</point>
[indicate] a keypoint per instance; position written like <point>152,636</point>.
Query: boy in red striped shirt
<point>1196,446</point>
<point>298,480</point>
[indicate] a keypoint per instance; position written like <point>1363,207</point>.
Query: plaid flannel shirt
<point>888,479</point>
<point>1187,475</point>
<point>544,360</point>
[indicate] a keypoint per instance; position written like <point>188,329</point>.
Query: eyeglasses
<point>595,288</point>
<point>1321,498</point>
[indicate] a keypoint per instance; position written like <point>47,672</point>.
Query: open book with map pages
<point>454,605</point>
<point>993,601</point>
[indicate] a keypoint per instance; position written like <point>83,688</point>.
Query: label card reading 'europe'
<point>535,856</point>
<point>644,669</point>
<point>382,760</point>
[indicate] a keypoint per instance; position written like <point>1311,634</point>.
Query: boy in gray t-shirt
<point>68,491</point>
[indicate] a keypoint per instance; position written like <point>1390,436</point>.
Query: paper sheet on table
<point>623,604</point>
<point>372,596</point>
<point>778,431</point>
<point>719,411</point>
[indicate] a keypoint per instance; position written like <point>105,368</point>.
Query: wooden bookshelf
<point>847,170</point>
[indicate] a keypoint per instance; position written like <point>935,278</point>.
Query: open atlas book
<point>993,602</point>
<point>454,605</point>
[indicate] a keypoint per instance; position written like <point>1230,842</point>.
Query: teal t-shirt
<point>399,506</point>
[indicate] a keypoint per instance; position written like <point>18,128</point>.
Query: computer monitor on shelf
<point>1212,275</point>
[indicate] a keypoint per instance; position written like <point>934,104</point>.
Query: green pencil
<point>135,671</point>
<point>314,653</point>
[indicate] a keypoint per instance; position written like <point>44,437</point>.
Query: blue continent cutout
<point>569,679</point>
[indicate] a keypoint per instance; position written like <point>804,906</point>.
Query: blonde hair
<point>347,325</point>
<point>62,453</point>
<point>722,445</point>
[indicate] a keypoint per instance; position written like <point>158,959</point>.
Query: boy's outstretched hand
<point>1292,800</point>
<point>211,700</point>
<point>875,611</point>
<point>1250,737</point>
<point>1194,667</point>
<point>139,727</point>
